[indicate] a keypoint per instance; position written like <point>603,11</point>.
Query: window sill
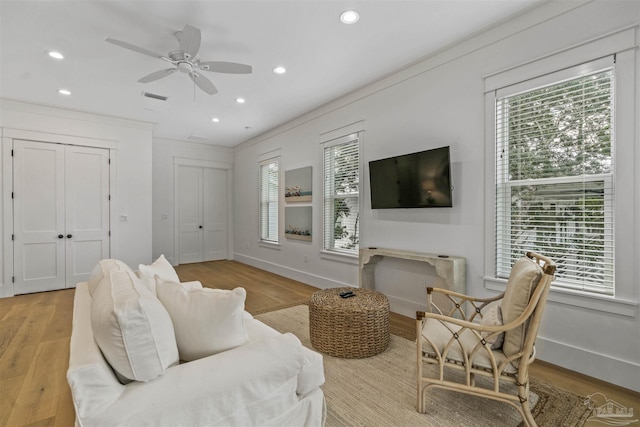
<point>340,257</point>
<point>602,303</point>
<point>269,245</point>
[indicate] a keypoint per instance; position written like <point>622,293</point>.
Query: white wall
<point>436,102</point>
<point>165,153</point>
<point>131,196</point>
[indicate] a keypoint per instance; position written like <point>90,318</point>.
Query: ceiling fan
<point>186,60</point>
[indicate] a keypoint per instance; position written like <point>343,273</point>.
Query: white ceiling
<point>325,59</point>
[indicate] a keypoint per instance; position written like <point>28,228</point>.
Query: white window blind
<point>269,177</point>
<point>341,171</point>
<point>554,179</point>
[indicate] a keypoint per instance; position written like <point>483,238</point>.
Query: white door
<point>202,214</point>
<point>61,214</point>
<point>39,223</point>
<point>189,199</point>
<point>87,211</point>
<point>215,214</point>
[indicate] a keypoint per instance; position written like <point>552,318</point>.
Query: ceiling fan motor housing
<point>185,67</point>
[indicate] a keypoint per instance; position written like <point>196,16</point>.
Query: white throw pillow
<point>132,328</point>
<point>492,316</point>
<point>207,321</point>
<point>102,269</point>
<point>160,267</point>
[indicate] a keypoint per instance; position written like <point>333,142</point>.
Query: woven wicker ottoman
<point>353,327</point>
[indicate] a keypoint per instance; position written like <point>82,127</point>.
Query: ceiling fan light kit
<point>186,60</point>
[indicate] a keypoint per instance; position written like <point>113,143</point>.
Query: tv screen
<point>417,180</point>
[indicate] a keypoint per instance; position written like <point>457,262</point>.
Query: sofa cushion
<point>102,269</point>
<point>132,328</point>
<point>523,279</point>
<point>160,267</point>
<point>206,321</point>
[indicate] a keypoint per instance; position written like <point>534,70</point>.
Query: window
<point>554,178</point>
<point>269,178</point>
<point>341,171</point>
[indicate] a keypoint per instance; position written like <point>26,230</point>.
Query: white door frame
<point>228,167</point>
<point>8,135</point>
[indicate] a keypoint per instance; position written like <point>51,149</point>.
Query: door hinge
<point>13,237</point>
<point>12,194</point>
<point>12,152</point>
<point>109,161</point>
<point>109,233</point>
<point>109,197</point>
<point>13,279</point>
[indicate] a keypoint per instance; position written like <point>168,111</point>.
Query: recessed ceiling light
<point>279,69</point>
<point>64,92</point>
<point>240,100</point>
<point>349,17</point>
<point>215,120</point>
<point>55,54</point>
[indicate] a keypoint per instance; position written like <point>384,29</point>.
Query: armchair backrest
<point>526,276</point>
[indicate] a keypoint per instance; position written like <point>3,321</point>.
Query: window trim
<point>620,43</point>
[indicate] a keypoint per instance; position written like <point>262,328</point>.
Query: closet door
<point>202,223</point>
<point>215,214</point>
<point>61,214</point>
<point>87,211</point>
<point>39,222</point>
<point>189,199</point>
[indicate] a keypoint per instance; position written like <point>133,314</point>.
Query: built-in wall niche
<point>297,183</point>
<point>297,221</point>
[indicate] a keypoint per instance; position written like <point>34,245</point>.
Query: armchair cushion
<point>437,336</point>
<point>207,321</point>
<point>132,328</point>
<point>525,276</point>
<point>492,316</point>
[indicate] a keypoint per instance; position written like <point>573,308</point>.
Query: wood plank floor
<point>35,330</point>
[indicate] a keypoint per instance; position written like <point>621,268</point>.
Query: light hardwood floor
<point>35,331</point>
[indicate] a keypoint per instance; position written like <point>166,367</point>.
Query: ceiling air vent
<point>198,138</point>
<point>154,96</point>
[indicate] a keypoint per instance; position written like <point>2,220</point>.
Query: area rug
<point>380,390</point>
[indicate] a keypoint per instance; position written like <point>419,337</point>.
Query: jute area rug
<point>381,390</point>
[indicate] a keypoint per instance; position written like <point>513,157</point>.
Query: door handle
<point>69,236</point>
<point>60,236</point>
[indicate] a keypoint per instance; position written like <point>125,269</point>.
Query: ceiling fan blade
<point>157,75</point>
<point>190,41</point>
<point>203,83</point>
<point>225,67</point>
<point>134,48</point>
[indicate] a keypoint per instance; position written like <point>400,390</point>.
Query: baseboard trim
<point>291,273</point>
<point>601,366</point>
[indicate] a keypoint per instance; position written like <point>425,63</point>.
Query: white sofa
<point>270,381</point>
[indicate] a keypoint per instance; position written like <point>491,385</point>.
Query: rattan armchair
<point>462,337</point>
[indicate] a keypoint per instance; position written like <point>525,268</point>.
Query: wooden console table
<point>450,268</point>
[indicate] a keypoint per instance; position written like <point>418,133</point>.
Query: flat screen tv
<point>417,180</point>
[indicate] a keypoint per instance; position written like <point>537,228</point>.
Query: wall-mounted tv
<point>417,180</point>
